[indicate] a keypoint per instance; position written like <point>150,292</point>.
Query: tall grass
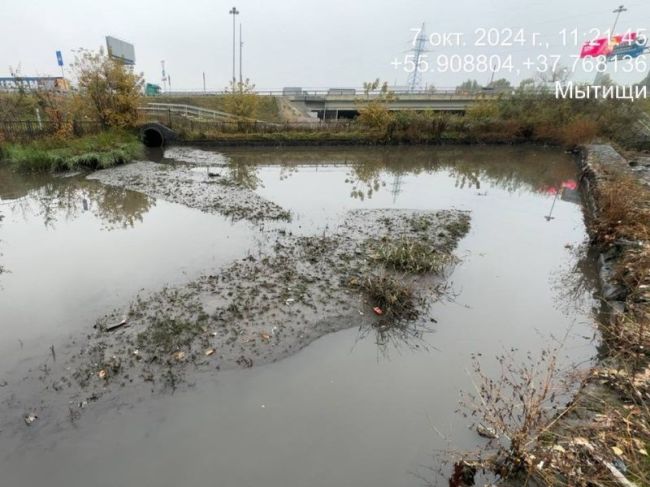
<point>99,151</point>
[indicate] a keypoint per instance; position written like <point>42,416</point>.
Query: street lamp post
<point>234,12</point>
<point>241,47</point>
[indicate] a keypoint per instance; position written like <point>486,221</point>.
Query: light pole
<point>164,76</point>
<point>618,12</point>
<point>234,12</point>
<point>241,46</point>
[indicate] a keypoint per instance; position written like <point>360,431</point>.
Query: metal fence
<point>30,129</point>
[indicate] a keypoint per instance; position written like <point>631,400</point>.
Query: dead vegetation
<point>542,433</point>
<point>514,410</point>
<point>622,230</point>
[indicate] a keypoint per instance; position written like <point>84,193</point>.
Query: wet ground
<point>352,408</point>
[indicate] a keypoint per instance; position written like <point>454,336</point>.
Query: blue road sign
<point>59,58</point>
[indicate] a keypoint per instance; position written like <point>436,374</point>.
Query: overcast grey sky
<point>305,43</point>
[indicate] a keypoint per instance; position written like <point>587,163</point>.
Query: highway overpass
<point>338,103</point>
<point>345,102</point>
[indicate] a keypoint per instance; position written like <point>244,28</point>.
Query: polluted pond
<point>277,317</point>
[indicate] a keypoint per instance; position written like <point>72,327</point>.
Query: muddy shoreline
<point>209,189</point>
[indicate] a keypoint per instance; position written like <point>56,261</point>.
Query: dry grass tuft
<point>415,256</point>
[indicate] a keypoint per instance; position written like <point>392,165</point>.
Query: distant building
<point>51,83</point>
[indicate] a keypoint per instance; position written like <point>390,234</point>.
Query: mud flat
<point>209,190</point>
<point>255,311</point>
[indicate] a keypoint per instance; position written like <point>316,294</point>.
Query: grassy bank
<point>456,131</point>
<point>106,149</point>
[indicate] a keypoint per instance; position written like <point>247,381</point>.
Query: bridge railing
<point>341,92</point>
<point>180,123</point>
<point>186,110</point>
<point>190,111</point>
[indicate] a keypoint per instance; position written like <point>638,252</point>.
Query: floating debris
<point>486,431</point>
<point>210,351</point>
<point>117,325</point>
<point>247,363</point>
<point>30,418</point>
<point>179,356</point>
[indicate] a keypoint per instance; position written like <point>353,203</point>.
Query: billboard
<point>628,45</point>
<point>120,50</point>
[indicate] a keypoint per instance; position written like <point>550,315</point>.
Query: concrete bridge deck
<point>455,102</point>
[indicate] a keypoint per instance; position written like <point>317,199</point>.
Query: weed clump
<point>168,334</point>
<point>397,300</point>
<point>410,255</point>
<point>421,223</point>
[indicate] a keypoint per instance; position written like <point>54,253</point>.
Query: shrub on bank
<point>538,115</point>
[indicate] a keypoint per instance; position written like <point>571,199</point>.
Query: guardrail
<point>192,111</point>
<point>186,110</point>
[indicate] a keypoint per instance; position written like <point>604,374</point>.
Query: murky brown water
<point>340,412</point>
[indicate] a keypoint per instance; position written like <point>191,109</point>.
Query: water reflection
<point>54,199</point>
<point>575,287</point>
<point>1,267</point>
<point>407,335</point>
<point>377,169</point>
<point>244,175</point>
